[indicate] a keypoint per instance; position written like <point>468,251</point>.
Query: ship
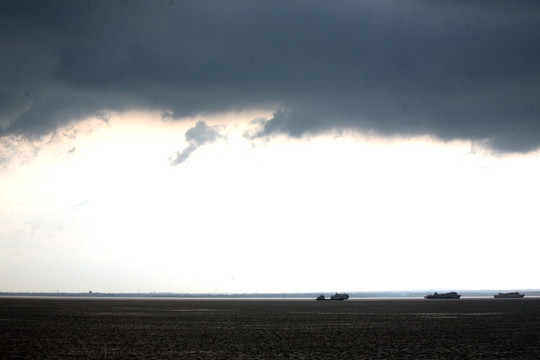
<point>450,295</point>
<point>509,295</point>
<point>336,297</point>
<point>339,297</point>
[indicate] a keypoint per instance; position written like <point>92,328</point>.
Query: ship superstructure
<point>509,295</point>
<point>449,295</point>
<point>336,297</point>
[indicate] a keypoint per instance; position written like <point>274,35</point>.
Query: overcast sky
<point>246,146</point>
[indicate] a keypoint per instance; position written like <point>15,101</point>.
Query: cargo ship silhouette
<point>450,295</point>
<point>509,295</point>
<point>335,297</point>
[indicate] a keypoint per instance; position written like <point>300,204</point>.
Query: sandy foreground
<point>269,329</point>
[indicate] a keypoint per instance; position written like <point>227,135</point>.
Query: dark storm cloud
<point>196,137</point>
<point>452,69</point>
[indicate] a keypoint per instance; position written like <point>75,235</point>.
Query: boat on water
<point>339,297</point>
<point>336,297</point>
<point>449,295</point>
<point>509,295</point>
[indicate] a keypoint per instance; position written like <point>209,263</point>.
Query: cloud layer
<point>460,69</point>
<point>196,137</point>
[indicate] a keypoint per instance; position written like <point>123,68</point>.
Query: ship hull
<point>336,297</point>
<point>509,296</point>
<point>450,295</point>
<point>431,297</point>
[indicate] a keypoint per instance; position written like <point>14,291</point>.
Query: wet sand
<point>269,329</point>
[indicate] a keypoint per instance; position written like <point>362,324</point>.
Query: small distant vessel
<point>449,295</point>
<point>509,295</point>
<point>339,297</point>
<point>333,297</point>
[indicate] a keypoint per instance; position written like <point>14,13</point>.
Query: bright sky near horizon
<point>260,146</point>
<point>106,211</point>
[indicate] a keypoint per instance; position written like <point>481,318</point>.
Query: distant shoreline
<point>310,295</point>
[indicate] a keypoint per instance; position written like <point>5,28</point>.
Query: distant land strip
<point>307,295</point>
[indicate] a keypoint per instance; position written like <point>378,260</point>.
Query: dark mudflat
<point>232,329</point>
